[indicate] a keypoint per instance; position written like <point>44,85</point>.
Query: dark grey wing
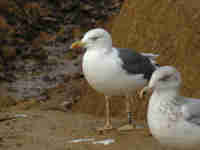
<point>191,111</point>
<point>135,63</point>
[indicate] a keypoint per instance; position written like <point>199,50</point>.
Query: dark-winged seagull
<point>114,71</point>
<point>173,119</point>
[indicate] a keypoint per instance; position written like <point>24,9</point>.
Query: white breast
<point>104,73</point>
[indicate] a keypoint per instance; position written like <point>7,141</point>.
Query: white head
<point>163,79</point>
<point>95,38</point>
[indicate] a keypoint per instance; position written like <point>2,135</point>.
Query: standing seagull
<point>113,71</point>
<point>173,119</point>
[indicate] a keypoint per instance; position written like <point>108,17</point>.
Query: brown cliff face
<point>169,28</point>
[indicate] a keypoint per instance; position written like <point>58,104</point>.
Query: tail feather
<point>150,55</point>
<point>152,58</point>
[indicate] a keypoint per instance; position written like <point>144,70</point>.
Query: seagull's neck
<point>167,94</point>
<point>163,103</point>
<point>101,48</point>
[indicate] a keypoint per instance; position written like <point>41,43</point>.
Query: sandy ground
<point>48,125</point>
<point>52,130</point>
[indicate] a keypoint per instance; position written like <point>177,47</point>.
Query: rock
<point>8,52</point>
<point>36,35</point>
<point>86,7</point>
<point>3,24</point>
<point>67,105</point>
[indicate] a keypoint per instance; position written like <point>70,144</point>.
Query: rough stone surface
<point>35,37</point>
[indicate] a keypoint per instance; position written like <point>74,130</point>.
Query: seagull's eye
<point>165,78</point>
<point>94,38</point>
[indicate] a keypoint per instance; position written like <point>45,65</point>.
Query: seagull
<point>114,71</point>
<point>173,120</point>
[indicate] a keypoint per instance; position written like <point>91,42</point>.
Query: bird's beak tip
<point>77,44</point>
<point>146,90</point>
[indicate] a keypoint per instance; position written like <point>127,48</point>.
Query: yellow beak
<point>145,90</point>
<point>77,44</point>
